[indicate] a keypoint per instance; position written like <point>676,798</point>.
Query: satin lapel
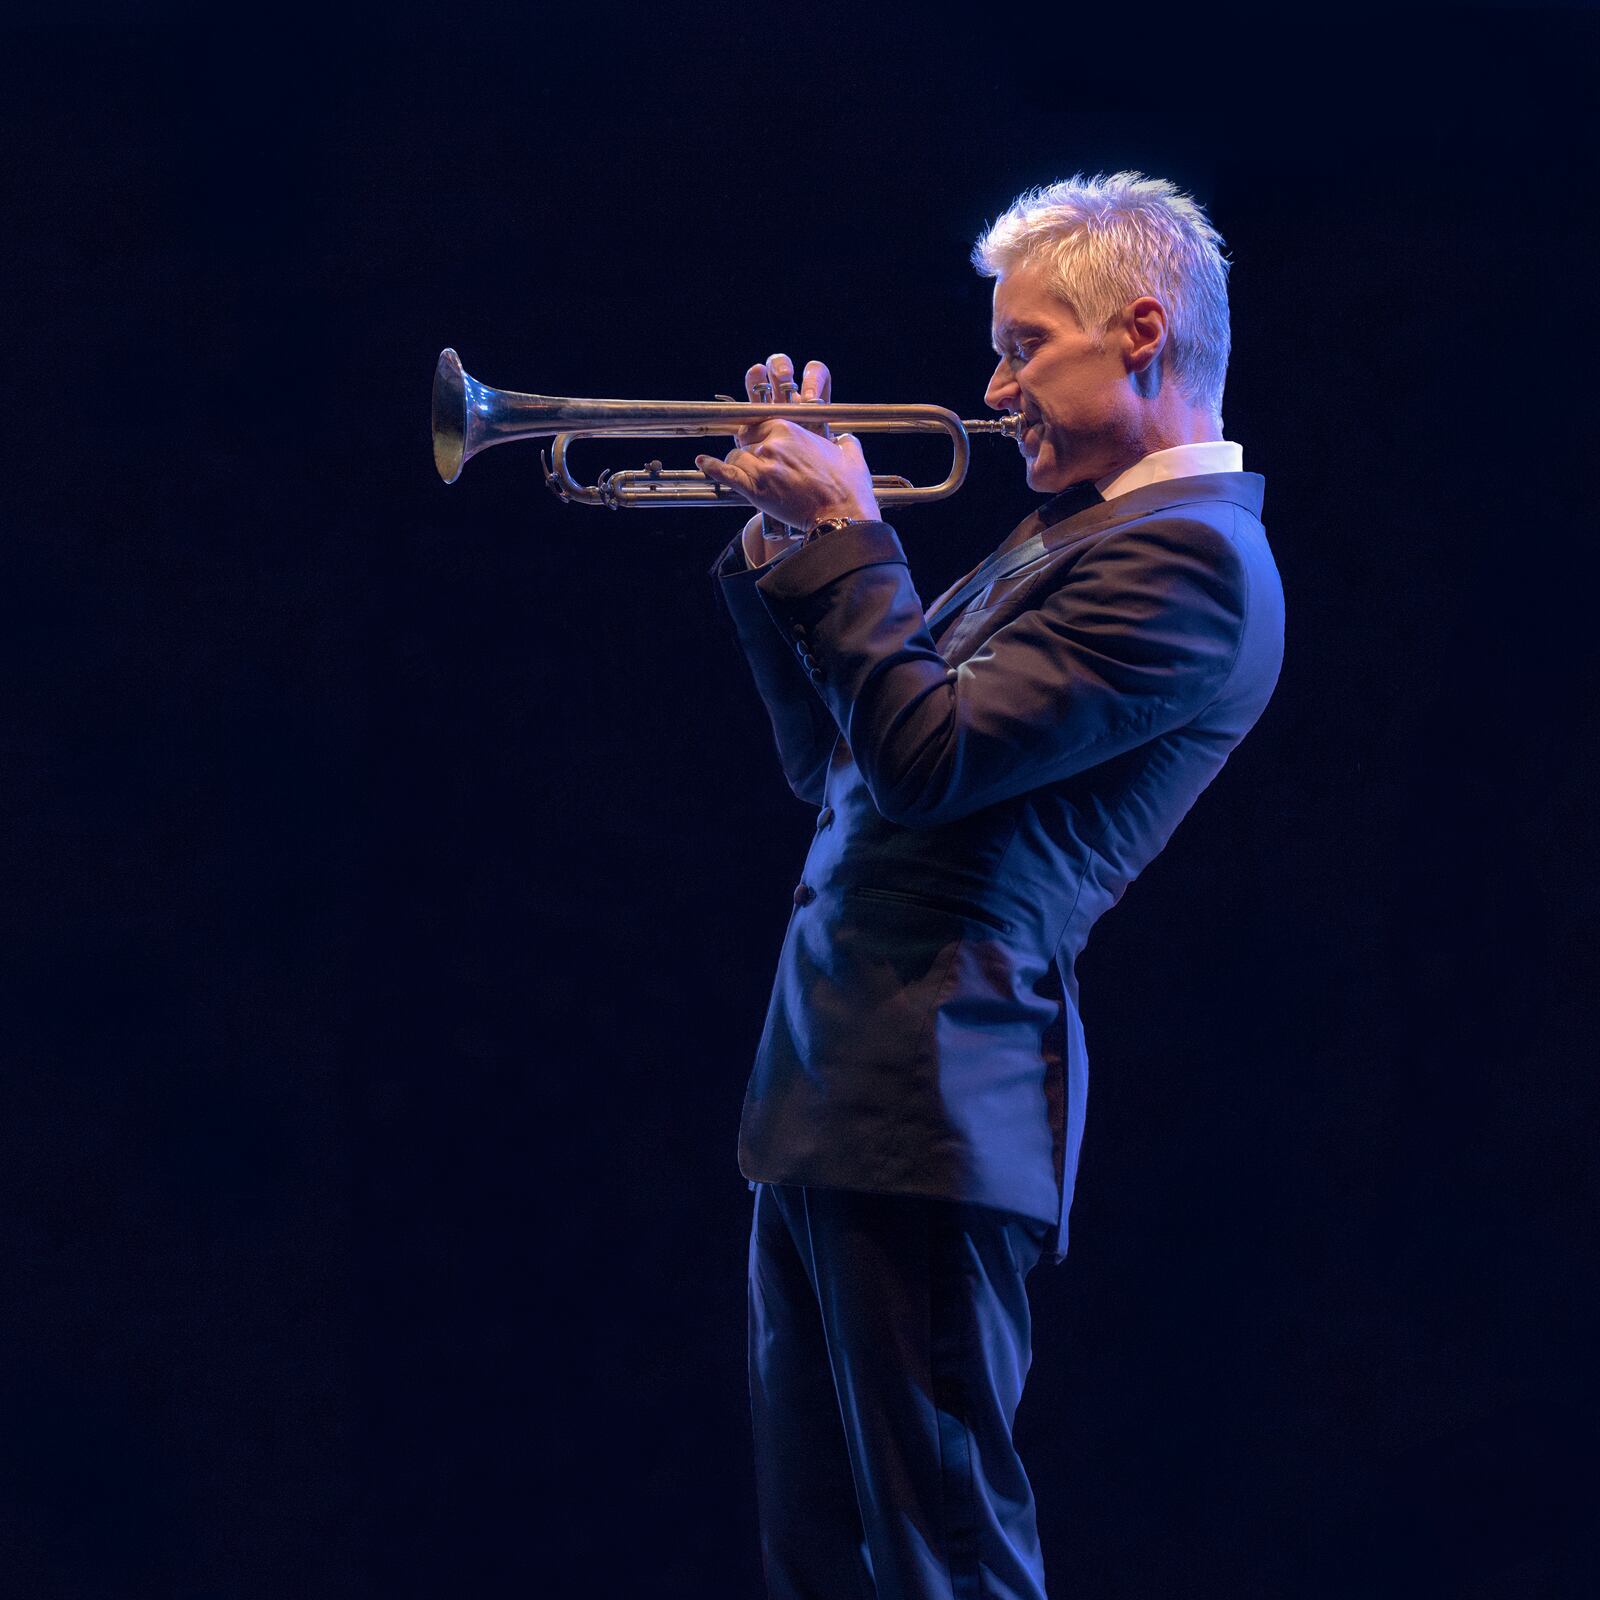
<point>1026,542</point>
<point>998,565</point>
<point>1241,488</point>
<point>940,608</point>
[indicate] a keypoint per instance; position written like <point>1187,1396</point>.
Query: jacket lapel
<point>1023,544</point>
<point>1042,534</point>
<point>1009,557</point>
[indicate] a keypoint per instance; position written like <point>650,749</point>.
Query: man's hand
<point>798,475</point>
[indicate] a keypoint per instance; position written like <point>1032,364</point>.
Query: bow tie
<point>1074,498</point>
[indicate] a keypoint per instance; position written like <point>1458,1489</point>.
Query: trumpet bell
<point>450,416</point>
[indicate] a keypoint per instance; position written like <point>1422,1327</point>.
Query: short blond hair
<point>1103,242</point>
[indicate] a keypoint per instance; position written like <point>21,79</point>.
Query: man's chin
<point>1045,476</point>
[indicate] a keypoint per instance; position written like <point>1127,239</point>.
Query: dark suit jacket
<point>991,777</point>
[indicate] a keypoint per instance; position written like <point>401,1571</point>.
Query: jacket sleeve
<point>1138,638</point>
<point>802,726</point>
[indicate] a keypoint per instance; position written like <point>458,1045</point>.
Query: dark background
<point>397,872</point>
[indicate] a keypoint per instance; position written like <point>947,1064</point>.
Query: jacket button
<point>804,894</point>
<point>824,818</point>
<point>816,675</point>
<point>799,630</point>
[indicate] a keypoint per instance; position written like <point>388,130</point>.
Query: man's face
<point>1076,401</point>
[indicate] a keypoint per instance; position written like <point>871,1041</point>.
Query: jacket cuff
<point>732,563</point>
<point>811,567</point>
<point>731,560</point>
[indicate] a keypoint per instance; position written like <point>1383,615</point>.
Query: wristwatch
<point>832,524</point>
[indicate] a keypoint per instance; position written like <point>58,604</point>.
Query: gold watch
<point>832,524</point>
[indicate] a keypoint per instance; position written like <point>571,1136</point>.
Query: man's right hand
<point>772,382</point>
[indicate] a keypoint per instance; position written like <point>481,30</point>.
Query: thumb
<point>848,443</point>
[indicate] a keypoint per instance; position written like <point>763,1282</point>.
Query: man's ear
<point>1144,323</point>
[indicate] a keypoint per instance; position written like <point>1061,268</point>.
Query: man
<point>991,775</point>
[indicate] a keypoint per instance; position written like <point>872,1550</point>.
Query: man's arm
<point>802,727</point>
<point>783,666</point>
<point>1139,637</point>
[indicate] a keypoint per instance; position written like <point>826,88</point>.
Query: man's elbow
<point>910,803</point>
<point>809,785</point>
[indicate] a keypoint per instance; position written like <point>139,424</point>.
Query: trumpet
<point>469,417</point>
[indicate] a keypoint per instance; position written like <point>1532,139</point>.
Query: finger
<point>758,433</point>
<point>784,388</point>
<point>758,390</point>
<point>816,389</point>
<point>732,473</point>
<point>818,383</point>
<point>723,477</point>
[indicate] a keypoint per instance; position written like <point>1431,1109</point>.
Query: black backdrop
<point>397,871</point>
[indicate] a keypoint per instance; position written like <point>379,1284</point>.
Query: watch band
<point>832,524</point>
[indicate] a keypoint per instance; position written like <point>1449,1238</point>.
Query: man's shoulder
<point>1212,497</point>
<point>1219,512</point>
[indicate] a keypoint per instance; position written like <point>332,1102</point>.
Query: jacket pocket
<point>950,904</point>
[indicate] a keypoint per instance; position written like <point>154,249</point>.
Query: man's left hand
<point>795,475</point>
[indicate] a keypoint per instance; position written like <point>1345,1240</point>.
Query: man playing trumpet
<point>990,774</point>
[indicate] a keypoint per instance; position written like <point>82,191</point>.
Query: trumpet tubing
<point>470,417</point>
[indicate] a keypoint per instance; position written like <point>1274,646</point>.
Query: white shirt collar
<point>1180,461</point>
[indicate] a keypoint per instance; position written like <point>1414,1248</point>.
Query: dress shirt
<point>1180,461</point>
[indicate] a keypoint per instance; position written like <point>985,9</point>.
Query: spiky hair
<point>1104,241</point>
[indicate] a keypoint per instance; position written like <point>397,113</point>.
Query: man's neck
<point>1194,456</point>
<point>1173,428</point>
<point>1164,430</point>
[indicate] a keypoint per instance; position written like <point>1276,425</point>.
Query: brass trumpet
<point>469,417</point>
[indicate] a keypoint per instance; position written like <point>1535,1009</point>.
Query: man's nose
<point>1002,391</point>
